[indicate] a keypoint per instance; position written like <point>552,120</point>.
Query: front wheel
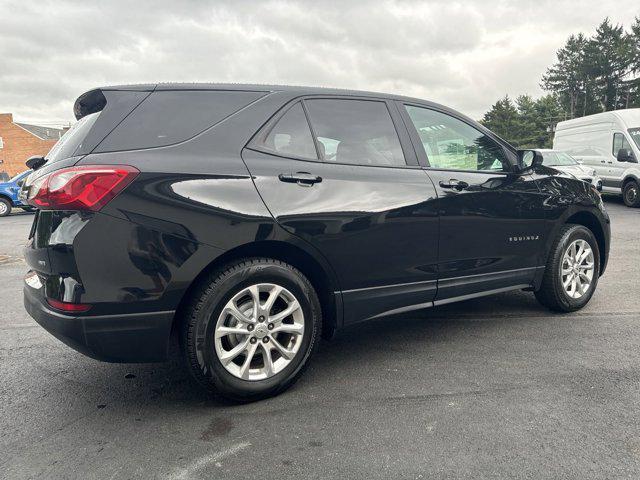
<point>631,194</point>
<point>251,329</point>
<point>572,270</point>
<point>5,207</point>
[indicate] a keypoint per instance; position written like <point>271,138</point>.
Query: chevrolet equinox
<point>249,221</point>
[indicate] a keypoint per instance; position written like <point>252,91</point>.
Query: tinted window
<point>619,142</point>
<point>291,136</point>
<point>450,143</point>
<point>168,117</point>
<point>72,140</point>
<point>355,131</point>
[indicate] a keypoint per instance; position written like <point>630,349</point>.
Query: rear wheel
<point>5,207</point>
<point>251,329</point>
<point>631,194</point>
<point>572,270</point>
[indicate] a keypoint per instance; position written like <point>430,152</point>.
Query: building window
<point>1,143</point>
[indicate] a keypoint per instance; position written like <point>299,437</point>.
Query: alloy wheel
<point>631,194</point>
<point>3,208</point>
<point>259,331</point>
<point>577,268</point>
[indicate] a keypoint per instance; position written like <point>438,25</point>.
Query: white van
<point>610,143</point>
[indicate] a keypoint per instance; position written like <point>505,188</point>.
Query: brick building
<point>19,141</point>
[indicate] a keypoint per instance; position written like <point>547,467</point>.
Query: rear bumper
<point>125,338</point>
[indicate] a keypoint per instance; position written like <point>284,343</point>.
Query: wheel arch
<point>7,198</point>
<point>630,177</point>
<point>318,274</point>
<point>590,221</point>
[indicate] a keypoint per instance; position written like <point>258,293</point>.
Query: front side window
<point>358,132</point>
<point>452,144</point>
<point>635,135</point>
<point>619,142</point>
<point>291,135</point>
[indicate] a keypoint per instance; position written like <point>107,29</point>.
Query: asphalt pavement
<point>490,388</point>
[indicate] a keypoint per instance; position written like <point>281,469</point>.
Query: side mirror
<point>528,159</point>
<point>35,162</point>
<point>626,155</point>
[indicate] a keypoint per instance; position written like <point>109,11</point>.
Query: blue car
<point>9,194</point>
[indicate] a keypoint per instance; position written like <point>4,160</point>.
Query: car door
<point>617,169</point>
<point>492,222</point>
<point>350,187</point>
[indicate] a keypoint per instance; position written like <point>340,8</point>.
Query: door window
<point>358,132</point>
<point>452,144</point>
<point>291,136</point>
<point>619,142</point>
<point>635,135</point>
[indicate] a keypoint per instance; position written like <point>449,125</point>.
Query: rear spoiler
<point>115,103</point>
<point>89,102</point>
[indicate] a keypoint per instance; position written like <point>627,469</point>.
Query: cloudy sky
<point>465,54</point>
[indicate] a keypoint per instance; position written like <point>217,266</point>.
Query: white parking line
<point>188,471</point>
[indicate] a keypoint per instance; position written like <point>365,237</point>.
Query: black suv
<point>251,220</point>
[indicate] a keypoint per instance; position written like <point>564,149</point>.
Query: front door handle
<point>455,184</point>
<point>301,178</point>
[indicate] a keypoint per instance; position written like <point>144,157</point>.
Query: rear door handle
<point>301,178</point>
<point>455,184</point>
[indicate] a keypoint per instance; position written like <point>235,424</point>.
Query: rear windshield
<point>72,140</point>
<point>558,159</point>
<point>635,134</point>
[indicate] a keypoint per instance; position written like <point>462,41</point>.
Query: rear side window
<point>72,140</point>
<point>291,135</point>
<point>168,117</point>
<point>358,132</point>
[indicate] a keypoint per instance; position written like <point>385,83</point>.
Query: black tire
<point>5,207</point>
<point>631,194</point>
<point>551,293</point>
<point>201,315</point>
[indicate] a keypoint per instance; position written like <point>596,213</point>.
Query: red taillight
<point>87,187</point>
<point>68,307</point>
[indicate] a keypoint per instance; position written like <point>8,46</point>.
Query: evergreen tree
<point>590,75</point>
<point>608,60</point>
<point>567,78</point>
<point>502,119</point>
<point>633,83</point>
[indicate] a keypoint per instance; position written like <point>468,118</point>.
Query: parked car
<point>252,220</point>
<point>9,194</point>
<point>609,143</point>
<point>566,163</point>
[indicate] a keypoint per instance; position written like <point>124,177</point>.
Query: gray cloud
<point>465,54</point>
